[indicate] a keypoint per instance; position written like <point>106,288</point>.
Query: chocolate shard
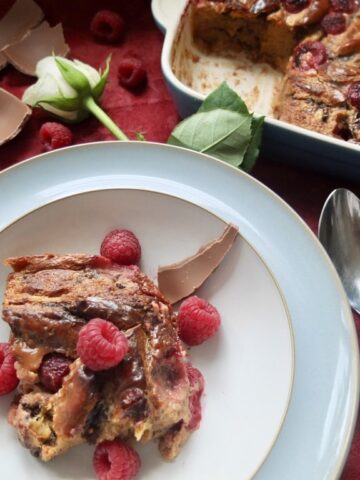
<point>14,114</point>
<point>18,21</point>
<point>3,61</point>
<point>41,42</point>
<point>181,279</point>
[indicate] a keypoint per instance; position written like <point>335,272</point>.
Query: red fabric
<point>153,113</point>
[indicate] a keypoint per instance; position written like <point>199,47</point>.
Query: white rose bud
<point>70,89</point>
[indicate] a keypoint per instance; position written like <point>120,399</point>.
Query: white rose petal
<point>48,66</point>
<point>45,87</point>
<point>60,113</point>
<point>90,73</point>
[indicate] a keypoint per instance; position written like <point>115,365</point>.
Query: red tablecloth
<point>153,113</point>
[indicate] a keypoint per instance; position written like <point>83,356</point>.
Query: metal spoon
<point>339,232</point>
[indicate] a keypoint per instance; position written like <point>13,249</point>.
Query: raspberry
<point>55,135</point>
<point>197,321</point>
<point>114,460</point>
<point>122,247</point>
<point>107,25</point>
<point>197,384</point>
<point>334,23</point>
<point>353,95</point>
<point>101,345</point>
<point>131,73</point>
<point>54,367</point>
<point>308,55</point>
<point>295,6</point>
<point>343,6</point>
<point>8,378</point>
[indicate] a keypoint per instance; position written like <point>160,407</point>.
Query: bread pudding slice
<point>47,300</point>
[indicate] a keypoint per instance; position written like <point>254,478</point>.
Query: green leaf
<point>140,136</point>
<point>253,149</point>
<point>223,97</point>
<point>222,127</point>
<point>224,134</point>
<point>67,104</point>
<point>97,91</point>
<point>74,77</point>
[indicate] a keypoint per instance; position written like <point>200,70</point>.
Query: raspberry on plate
<point>54,135</point>
<point>101,345</point>
<point>131,73</point>
<point>8,378</point>
<point>54,367</point>
<point>115,460</point>
<point>122,247</point>
<point>197,321</point>
<point>107,25</point>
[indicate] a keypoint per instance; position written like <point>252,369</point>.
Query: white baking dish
<point>190,75</point>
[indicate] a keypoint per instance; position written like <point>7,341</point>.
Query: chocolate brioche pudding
<point>48,299</point>
<point>315,44</point>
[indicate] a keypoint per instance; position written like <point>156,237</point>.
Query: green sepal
<point>74,77</point>
<point>67,104</point>
<point>140,137</point>
<point>97,91</point>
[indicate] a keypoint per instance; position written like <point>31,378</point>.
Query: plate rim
<point>347,439</point>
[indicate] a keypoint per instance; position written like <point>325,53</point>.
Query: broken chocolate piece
<point>41,42</point>
<point>181,279</point>
<point>3,61</point>
<point>18,21</point>
<point>14,113</point>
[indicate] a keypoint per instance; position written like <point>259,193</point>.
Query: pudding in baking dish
<point>313,44</point>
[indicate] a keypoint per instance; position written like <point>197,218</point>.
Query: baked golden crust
<point>47,300</point>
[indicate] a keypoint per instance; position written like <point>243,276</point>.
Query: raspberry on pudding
<point>8,378</point>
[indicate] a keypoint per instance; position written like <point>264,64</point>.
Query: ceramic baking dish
<point>190,75</point>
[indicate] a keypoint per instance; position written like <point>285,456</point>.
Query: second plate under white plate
<point>316,435</point>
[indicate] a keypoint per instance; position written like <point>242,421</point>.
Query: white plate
<point>316,435</point>
<point>251,359</point>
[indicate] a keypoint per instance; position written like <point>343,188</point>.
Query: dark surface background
<point>153,113</point>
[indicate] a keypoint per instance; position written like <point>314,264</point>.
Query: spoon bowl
<point>339,232</point>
